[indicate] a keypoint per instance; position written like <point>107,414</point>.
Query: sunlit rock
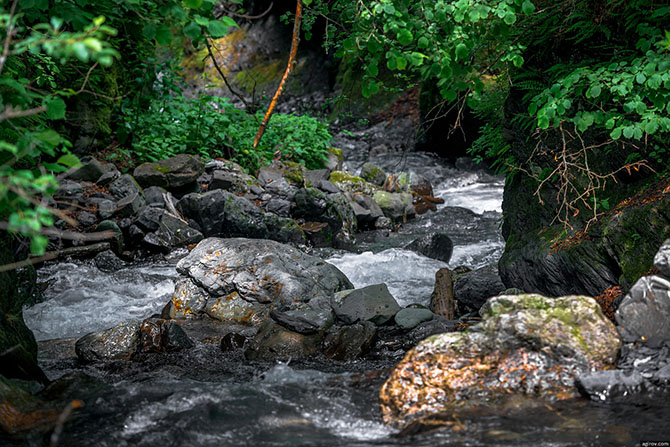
<point>527,344</point>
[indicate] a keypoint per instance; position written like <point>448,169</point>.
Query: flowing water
<point>208,398</point>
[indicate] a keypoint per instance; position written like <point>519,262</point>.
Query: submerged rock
<point>527,344</point>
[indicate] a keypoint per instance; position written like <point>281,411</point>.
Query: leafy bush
<point>212,127</point>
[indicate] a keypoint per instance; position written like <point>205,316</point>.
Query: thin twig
<point>10,112</point>
<point>249,107</point>
<point>8,39</point>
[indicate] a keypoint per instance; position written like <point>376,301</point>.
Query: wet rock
<point>107,261</point>
<point>319,234</point>
<point>436,246</point>
<point>316,206</point>
<point>149,218</point>
<point>188,299</point>
<point>328,187</point>
<point>233,341</point>
<point>351,183</point>
<point>372,303</point>
<point>610,385</point>
<point>274,342</point>
<point>171,232</point>
<point>472,289</point>
<point>117,343</point>
<point>410,318</point>
<point>418,184</point>
<point>124,186</point>
<point>129,205</point>
<point>662,259</point>
<point>442,299</point>
<point>260,271</point>
<point>108,177</point>
<point>309,321</point>
<point>424,330</point>
<point>232,308</point>
<point>365,208</point>
<point>373,174</point>
<point>172,173</point>
<point>349,342</point>
<point>526,344</point>
<point>644,313</point>
<point>91,170</point>
<point>106,208</point>
<point>395,206</point>
<point>159,335</point>
<point>110,225</point>
<point>283,229</point>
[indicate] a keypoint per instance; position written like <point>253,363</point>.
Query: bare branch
<point>8,38</point>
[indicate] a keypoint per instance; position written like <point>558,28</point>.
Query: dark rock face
<point>308,321</point>
<point>124,186</point>
<point>349,342</point>
<point>107,261</point>
<point>436,246</point>
<point>472,289</point>
<point>171,232</point>
<point>372,303</point>
<point>275,342</point>
<point>118,343</point>
<point>90,171</point>
<point>172,173</point>
<point>410,318</point>
<point>159,335</point>
<point>316,206</point>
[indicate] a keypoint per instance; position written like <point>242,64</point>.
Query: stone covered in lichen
<point>527,345</point>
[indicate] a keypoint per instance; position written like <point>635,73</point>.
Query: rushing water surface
<point>191,400</point>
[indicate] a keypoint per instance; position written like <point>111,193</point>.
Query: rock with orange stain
<point>526,345</point>
<point>20,411</point>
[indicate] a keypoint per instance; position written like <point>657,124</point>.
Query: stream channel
<point>192,400</point>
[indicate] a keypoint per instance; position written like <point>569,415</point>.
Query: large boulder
<point>171,173</point>
<point>472,289</point>
<point>526,344</point>
<point>644,313</point>
<point>334,209</point>
<point>237,279</point>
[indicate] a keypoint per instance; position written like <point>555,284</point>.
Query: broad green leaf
<point>149,30</point>
<point>69,160</point>
<point>50,137</point>
<point>163,35</point>
<point>517,60</point>
<point>528,7</point>
<point>192,30</point>
<point>510,18</point>
<point>56,109</point>
<point>640,78</point>
<point>651,127</point>
<point>405,37</point>
<point>217,29</point>
<point>616,133</point>
<point>229,22</point>
<point>461,51</point>
<point>192,4</point>
<point>38,244</point>
<point>422,43</point>
<point>389,8</point>
<point>628,132</point>
<point>595,91</point>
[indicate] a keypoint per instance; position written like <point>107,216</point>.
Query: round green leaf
<point>56,109</point>
<point>461,51</point>
<point>217,29</point>
<point>528,7</point>
<point>405,37</point>
<point>509,18</point>
<point>163,35</point>
<point>192,30</point>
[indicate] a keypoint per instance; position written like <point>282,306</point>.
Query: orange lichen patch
<point>606,300</point>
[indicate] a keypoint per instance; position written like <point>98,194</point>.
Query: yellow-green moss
<point>261,75</point>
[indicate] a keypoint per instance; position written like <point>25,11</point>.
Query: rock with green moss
<point>395,206</point>
<point>351,183</point>
<point>171,173</point>
<point>334,159</point>
<point>527,345</point>
<point>334,209</point>
<point>373,174</point>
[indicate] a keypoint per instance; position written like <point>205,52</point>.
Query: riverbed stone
<point>171,173</point>
<point>275,342</point>
<point>90,171</point>
<point>662,259</point>
<point>372,303</point>
<point>160,335</point>
<point>644,313</point>
<point>304,321</point>
<point>373,174</point>
<point>526,344</point>
<point>117,343</point>
<point>232,308</point>
<point>349,342</point>
<point>395,206</point>
<point>233,181</point>
<point>436,246</point>
<point>409,318</point>
<point>171,232</point>
<point>129,205</point>
<point>124,186</point>
<point>260,271</point>
<point>472,289</point>
<point>107,261</point>
<point>188,300</point>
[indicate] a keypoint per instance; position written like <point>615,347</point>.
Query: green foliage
<point>212,127</point>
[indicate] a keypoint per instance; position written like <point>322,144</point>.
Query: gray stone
<point>279,207</point>
<point>107,261</point>
<point>662,258</point>
<point>233,308</point>
<point>395,206</point>
<point>154,196</point>
<point>410,318</point>
<point>314,177</point>
<point>472,289</point>
<point>90,171</point>
<point>172,232</point>
<point>349,342</point>
<point>124,186</point>
<point>274,342</point>
<point>306,322</point>
<point>106,208</point>
<point>86,219</point>
<point>118,343</point>
<point>188,300</point>
<point>232,181</point>
<point>108,177</point>
<point>316,206</point>
<point>68,189</point>
<point>368,210</point>
<point>373,174</point>
<point>644,313</point>
<point>328,186</point>
<point>261,271</point>
<point>172,173</point>
<point>159,335</point>
<point>129,205</point>
<point>149,218</point>
<point>372,303</point>
<point>436,246</point>
<point>610,384</point>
